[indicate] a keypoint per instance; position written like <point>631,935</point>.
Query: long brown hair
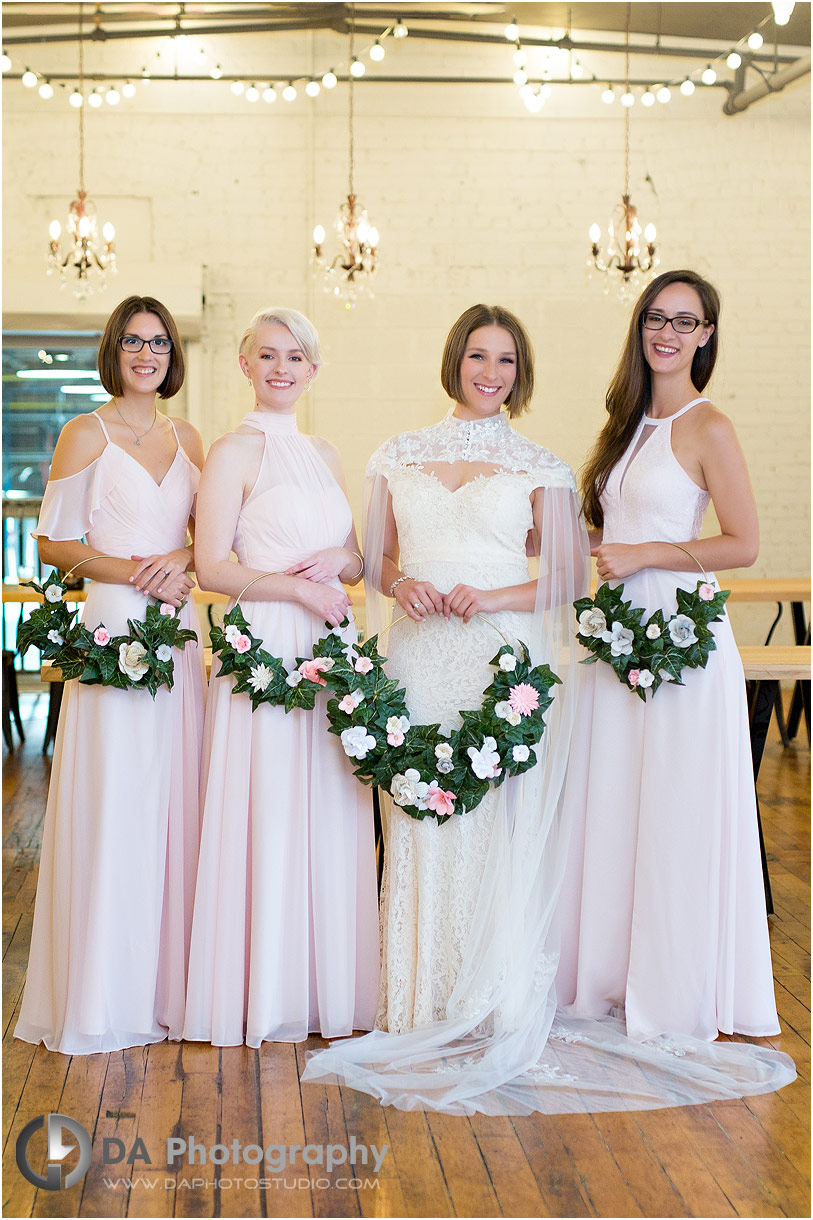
<point>489,315</point>
<point>630,391</point>
<point>108,357</point>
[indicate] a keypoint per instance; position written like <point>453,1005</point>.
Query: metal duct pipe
<point>737,102</point>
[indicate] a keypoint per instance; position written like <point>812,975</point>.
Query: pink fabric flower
<point>242,644</point>
<point>363,665</point>
<point>312,669</point>
<point>165,608</point>
<point>347,704</point>
<point>706,592</point>
<point>633,677</point>
<point>395,739</point>
<point>524,698</point>
<point>101,636</point>
<point>439,801</point>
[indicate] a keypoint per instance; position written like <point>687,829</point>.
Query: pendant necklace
<point>137,435</point>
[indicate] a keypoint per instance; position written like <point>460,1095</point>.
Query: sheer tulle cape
<point>502,1048</point>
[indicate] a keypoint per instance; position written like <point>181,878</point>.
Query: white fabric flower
<point>681,629</point>
<point>326,664</point>
<point>443,750</point>
<point>620,639</point>
<point>666,675</point>
<point>163,652</point>
<point>231,633</point>
<point>261,677</point>
<point>592,622</point>
<point>508,662</point>
<point>357,742</point>
<point>363,665</point>
<point>55,637</point>
<point>294,679</point>
<point>646,678</point>
<point>653,631</point>
<point>504,711</point>
<point>485,762</point>
<point>445,765</point>
<point>131,660</point>
<point>409,789</point>
<point>53,593</point>
<point>167,610</point>
<point>520,753</point>
<point>397,724</point>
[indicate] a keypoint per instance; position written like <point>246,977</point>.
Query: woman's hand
<point>617,560</point>
<point>322,566</point>
<point>164,576</point>
<point>465,602</point>
<point>417,598</point>
<point>323,600</point>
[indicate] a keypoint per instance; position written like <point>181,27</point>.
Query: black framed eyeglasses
<point>159,346</point>
<point>682,323</point>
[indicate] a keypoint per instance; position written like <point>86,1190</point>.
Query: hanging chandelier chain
<point>627,109</point>
<point>350,107</point>
<point>82,107</point>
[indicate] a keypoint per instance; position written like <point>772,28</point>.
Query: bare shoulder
<point>329,453</point>
<point>80,442</point>
<point>235,447</point>
<point>712,425</point>
<point>190,439</point>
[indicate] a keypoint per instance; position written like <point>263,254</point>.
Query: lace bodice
<point>649,496</point>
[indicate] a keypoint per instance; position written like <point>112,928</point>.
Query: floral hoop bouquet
<point>428,774</point>
<point>647,653</point>
<point>140,660</point>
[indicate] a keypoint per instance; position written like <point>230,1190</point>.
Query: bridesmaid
<point>285,930</point>
<point>114,900</point>
<point>663,911</point>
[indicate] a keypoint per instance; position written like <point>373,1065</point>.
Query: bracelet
<point>361,568</point>
<point>396,583</point>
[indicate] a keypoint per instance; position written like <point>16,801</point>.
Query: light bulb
<point>535,102</point>
<point>269,94</point>
<point>664,94</point>
<point>29,78</point>
<point>576,70</point>
<point>755,41</point>
<point>687,87</point>
<point>520,76</point>
<point>607,96</point>
<point>289,93</point>
<point>95,99</point>
<point>709,76</point>
<point>252,94</point>
<point>84,226</point>
<point>650,233</point>
<point>734,60</point>
<point>5,62</point>
<point>76,99</point>
<point>145,76</point>
<point>313,88</point>
<point>113,97</point>
<point>357,68</point>
<point>108,232</point>
<point>372,237</point>
<point>520,57</point>
<point>362,230</point>
<point>511,31</point>
<point>595,234</point>
<point>782,10</point>
<point>377,52</point>
<point>216,72</point>
<point>647,98</point>
<point>628,99</point>
<point>329,80</point>
<point>128,89</point>
<point>526,91</point>
<point>400,30</point>
<point>318,235</point>
<point>237,87</point>
<point>46,90</point>
<point>54,230</point>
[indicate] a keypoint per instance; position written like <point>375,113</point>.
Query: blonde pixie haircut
<point>489,315</point>
<point>300,327</point>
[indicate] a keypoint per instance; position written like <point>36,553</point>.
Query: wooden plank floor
<point>738,1158</point>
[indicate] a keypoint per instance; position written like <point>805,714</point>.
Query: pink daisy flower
<point>524,698</point>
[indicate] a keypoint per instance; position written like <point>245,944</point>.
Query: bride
<point>467,1002</point>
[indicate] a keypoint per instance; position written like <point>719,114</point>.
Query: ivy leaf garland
<point>645,653</point>
<point>428,774</point>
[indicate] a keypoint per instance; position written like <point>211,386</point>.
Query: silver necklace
<point>137,435</point>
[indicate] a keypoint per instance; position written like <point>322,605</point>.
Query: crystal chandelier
<point>624,254</point>
<point>348,275</point>
<point>84,256</point>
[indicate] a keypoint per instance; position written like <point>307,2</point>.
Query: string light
<point>377,52</point>
<point>511,31</point>
<point>313,88</point>
<point>29,78</point>
<point>687,87</point>
<point>329,80</point>
<point>608,96</point>
<point>664,94</point>
<point>216,72</point>
<point>252,94</point>
<point>357,68</point>
<point>289,92</point>
<point>734,60</point>
<point>647,98</point>
<point>269,94</point>
<point>628,99</point>
<point>5,62</point>
<point>128,89</point>
<point>782,10</point>
<point>95,99</point>
<point>755,40</point>
<point>76,99</point>
<point>237,87</point>
<point>399,29</point>
<point>46,90</point>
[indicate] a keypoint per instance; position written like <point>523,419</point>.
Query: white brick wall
<point>475,199</point>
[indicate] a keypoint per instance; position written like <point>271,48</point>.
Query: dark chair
<point>11,700</point>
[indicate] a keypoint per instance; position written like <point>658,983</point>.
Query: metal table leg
<point>761,704</point>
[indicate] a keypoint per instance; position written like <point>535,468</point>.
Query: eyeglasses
<point>159,346</point>
<point>682,324</point>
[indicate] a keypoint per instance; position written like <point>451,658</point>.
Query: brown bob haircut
<point>489,315</point>
<point>108,358</point>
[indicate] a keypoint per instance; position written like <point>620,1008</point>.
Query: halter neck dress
<point>113,912</point>
<point>284,939</point>
<point>663,910</point>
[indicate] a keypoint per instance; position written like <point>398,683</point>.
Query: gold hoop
<point>262,576</point>
<point>691,556</point>
<point>78,565</point>
<point>488,621</point>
